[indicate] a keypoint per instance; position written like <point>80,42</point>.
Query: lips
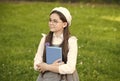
<point>51,27</point>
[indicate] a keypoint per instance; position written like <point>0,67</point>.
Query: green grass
<point>97,28</point>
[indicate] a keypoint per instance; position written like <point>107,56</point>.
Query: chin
<point>51,30</point>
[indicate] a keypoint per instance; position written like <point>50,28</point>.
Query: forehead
<point>54,16</point>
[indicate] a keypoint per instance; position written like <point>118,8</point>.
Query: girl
<point>59,22</point>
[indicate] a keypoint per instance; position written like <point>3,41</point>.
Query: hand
<point>42,67</point>
<point>58,62</point>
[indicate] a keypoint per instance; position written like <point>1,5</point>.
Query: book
<point>53,53</point>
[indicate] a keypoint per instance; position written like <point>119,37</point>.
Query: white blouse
<point>70,66</point>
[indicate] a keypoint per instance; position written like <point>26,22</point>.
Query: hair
<point>64,44</point>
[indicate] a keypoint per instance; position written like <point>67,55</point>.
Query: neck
<point>58,33</point>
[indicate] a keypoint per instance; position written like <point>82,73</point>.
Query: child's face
<point>56,24</point>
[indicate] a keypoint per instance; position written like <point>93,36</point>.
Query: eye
<point>55,21</point>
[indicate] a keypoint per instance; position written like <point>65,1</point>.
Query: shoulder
<point>43,36</point>
<point>73,38</point>
<point>72,42</point>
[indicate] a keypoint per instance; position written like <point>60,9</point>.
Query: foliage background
<point>74,1</point>
<point>96,26</point>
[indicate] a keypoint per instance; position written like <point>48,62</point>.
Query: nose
<point>50,22</point>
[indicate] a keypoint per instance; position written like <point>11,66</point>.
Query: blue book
<point>53,53</point>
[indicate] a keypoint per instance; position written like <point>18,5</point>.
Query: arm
<point>67,68</point>
<point>70,66</point>
<point>42,67</point>
<point>39,54</point>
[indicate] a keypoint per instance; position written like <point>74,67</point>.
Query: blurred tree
<point>85,1</point>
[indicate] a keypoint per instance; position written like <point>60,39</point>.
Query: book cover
<point>53,53</point>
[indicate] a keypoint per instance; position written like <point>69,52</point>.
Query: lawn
<point>96,26</point>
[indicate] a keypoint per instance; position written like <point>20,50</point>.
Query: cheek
<point>50,24</point>
<point>52,28</point>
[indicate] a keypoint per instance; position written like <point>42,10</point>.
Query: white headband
<point>65,12</point>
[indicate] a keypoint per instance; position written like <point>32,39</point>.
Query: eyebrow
<point>53,19</point>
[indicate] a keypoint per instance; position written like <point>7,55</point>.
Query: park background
<point>96,24</point>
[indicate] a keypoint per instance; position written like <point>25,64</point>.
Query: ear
<point>64,24</point>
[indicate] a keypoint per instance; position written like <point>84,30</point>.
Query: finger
<point>38,65</point>
<point>60,63</point>
<point>39,69</point>
<point>42,71</point>
<point>58,60</point>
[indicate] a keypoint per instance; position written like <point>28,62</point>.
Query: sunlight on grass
<point>111,18</point>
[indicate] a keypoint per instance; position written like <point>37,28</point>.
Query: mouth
<point>51,27</point>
